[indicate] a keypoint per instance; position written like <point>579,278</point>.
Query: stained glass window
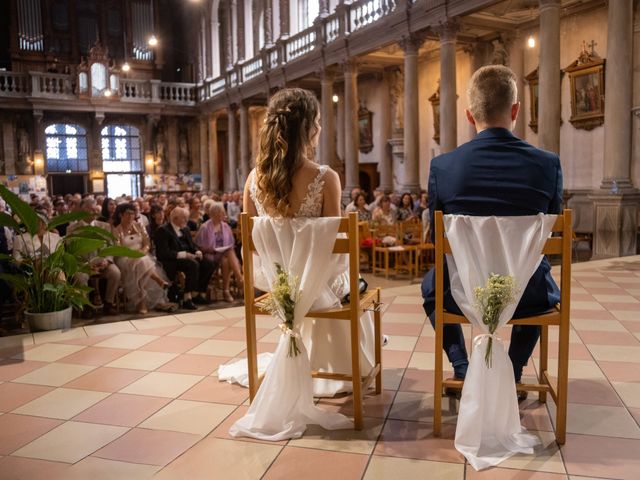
<point>66,148</point>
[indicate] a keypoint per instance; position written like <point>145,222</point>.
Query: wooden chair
<point>366,251</point>
<point>349,312</point>
<point>401,255</point>
<point>558,316</point>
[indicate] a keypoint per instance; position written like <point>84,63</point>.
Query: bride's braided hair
<point>285,141</point>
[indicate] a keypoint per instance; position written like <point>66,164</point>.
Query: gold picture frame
<point>586,76</point>
<point>435,106</point>
<point>365,129</point>
<point>533,81</point>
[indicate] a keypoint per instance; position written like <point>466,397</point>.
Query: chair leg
<point>563,375</point>
<point>386,264</point>
<point>378,344</point>
<point>356,380</point>
<point>437,384</point>
<point>544,356</point>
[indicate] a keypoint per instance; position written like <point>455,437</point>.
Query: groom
<point>498,174</point>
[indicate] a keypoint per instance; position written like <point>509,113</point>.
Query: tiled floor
<point>140,398</point>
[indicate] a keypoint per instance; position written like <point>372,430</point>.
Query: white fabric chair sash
<point>283,405</point>
<point>489,429</point>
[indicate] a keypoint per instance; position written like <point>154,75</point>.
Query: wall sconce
<point>38,162</point>
<point>149,162</point>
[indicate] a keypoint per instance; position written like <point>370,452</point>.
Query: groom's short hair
<point>491,93</point>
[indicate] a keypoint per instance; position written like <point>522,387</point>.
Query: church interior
<point>135,100</point>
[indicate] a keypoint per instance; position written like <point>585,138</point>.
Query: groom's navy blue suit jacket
<point>498,174</point>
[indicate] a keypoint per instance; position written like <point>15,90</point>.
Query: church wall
<point>370,95</point>
<point>635,153</point>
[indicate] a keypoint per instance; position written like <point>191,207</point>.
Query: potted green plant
<point>44,280</point>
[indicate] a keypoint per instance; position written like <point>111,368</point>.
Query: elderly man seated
<point>177,252</point>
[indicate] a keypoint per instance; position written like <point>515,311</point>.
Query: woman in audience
<point>423,204</point>
<point>361,207</point>
<point>405,209</point>
<point>108,210</point>
<point>384,214</point>
<point>156,218</point>
<point>216,241</point>
<point>195,215</point>
<point>143,280</point>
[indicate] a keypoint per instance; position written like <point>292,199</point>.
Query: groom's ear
<point>515,108</point>
<point>470,118</point>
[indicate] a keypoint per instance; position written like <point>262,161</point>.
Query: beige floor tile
<point>197,331</point>
<point>71,442</point>
<point>426,361</point>
<point>391,378</point>
<point>418,407</point>
<point>385,468</point>
<point>102,469</point>
<point>546,456</point>
<point>233,312</point>
<point>160,384</point>
<point>597,284</point>
<point>272,337</point>
<point>416,318</point>
<point>156,322</point>
<point>62,403</point>
<point>615,298</point>
<point>615,353</point>
<point>49,352</point>
<point>601,420</point>
<point>554,334</point>
<point>225,348</point>
<point>582,369</point>
<point>574,477</point>
<point>59,335</point>
<point>587,305</point>
<point>579,290</point>
<point>16,341</point>
<point>199,317</point>
<point>129,341</point>
<point>187,416</point>
<point>597,325</point>
<point>348,440</point>
<point>55,374</point>
<point>629,392</point>
<point>141,360</point>
<point>626,315</point>
<point>224,457</point>
<point>409,300</point>
<point>402,343</point>
<point>109,328</point>
<point>624,280</point>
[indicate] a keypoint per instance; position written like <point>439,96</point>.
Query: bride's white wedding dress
<point>284,404</point>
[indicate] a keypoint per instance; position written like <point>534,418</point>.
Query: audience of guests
<point>405,209</point>
<point>385,214</point>
<point>108,209</point>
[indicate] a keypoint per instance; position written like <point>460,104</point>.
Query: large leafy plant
<point>45,281</point>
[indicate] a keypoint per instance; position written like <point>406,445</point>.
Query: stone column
<point>616,204</point>
<point>448,114</point>
<point>204,152</point>
<point>268,23</point>
<point>478,53</point>
<point>411,170</point>
<point>324,8</point>
<point>228,30</point>
<point>549,94</point>
<point>351,140</point>
<point>284,19</point>
<point>327,136</point>
<point>385,167</point>
<point>230,182</point>
<point>245,143</point>
<point>516,63</point>
<point>240,28</point>
<point>214,179</point>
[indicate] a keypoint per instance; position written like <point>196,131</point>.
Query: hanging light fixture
<point>531,42</point>
<point>126,67</point>
<point>335,99</point>
<point>153,41</point>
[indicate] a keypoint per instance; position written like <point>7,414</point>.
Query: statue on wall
<point>24,165</point>
<point>500,56</point>
<point>397,100</point>
<point>161,156</point>
<point>183,146</point>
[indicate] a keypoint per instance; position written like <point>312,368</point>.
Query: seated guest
<point>101,267</point>
<point>361,207</point>
<point>142,278</point>
<point>61,209</point>
<point>216,240</point>
<point>156,218</point>
<point>351,206</point>
<point>140,218</point>
<point>108,209</point>
<point>422,205</point>
<point>41,245</point>
<point>177,253</point>
<point>384,214</point>
<point>233,209</point>
<point>405,209</point>
<point>195,215</point>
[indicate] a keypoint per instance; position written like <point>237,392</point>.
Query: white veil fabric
<point>283,405</point>
<point>489,429</point>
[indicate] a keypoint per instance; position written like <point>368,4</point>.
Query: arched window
<point>122,159</point>
<point>66,150</point>
<point>308,11</point>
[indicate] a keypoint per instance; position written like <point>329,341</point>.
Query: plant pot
<point>50,320</point>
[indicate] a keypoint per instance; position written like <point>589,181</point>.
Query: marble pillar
<point>351,160</point>
<point>549,74</point>
<point>204,151</point>
<point>284,19</point>
<point>245,144</point>
<point>516,63</point>
<point>448,97</point>
<point>385,165</point>
<point>230,176</point>
<point>268,23</point>
<point>214,171</point>
<point>327,136</point>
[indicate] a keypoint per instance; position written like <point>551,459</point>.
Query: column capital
<point>410,44</point>
<point>448,30</point>
<point>327,74</point>
<point>350,65</point>
<point>544,4</point>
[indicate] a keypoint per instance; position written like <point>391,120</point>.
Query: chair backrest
<point>347,242</point>
<point>411,230</point>
<point>558,244</point>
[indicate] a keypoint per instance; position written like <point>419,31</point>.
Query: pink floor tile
<point>12,351</point>
<point>172,344</point>
<point>161,331</point>
<point>86,340</point>
<point>592,314</point>
<point>18,468</point>
<point>636,414</point>
<point>415,380</point>
<point>96,356</point>
<point>406,307</point>
<point>194,364</point>
<point>415,440</point>
<point>620,371</point>
<point>222,430</point>
<point>222,322</point>
<point>263,347</point>
<point>534,415</point>
<point>14,395</point>
<point>633,327</point>
<point>374,405</point>
<point>412,329</point>
<point>395,358</point>
<point>509,474</point>
<point>425,344</point>
<point>582,297</point>
<point>631,307</point>
<point>577,351</point>
<point>592,392</point>
<point>210,389</point>
<point>317,464</point>
<point>606,457</point>
<point>18,430</point>
<point>151,447</point>
<point>239,334</point>
<point>608,338</point>
<point>11,369</point>
<point>122,410</point>
<point>599,291</point>
<point>106,379</point>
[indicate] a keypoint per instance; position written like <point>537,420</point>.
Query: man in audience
<point>496,173</point>
<point>177,252</point>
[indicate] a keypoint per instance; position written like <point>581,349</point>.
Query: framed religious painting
<point>586,76</point>
<point>532,80</point>
<point>365,129</point>
<point>435,107</point>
